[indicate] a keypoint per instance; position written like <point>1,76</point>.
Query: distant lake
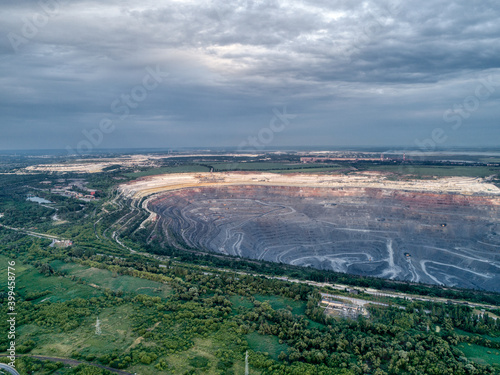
<point>38,200</point>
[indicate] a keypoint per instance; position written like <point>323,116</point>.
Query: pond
<point>38,200</point>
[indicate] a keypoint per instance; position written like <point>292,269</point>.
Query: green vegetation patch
<point>174,169</point>
<point>309,170</point>
<point>486,337</point>
<point>106,279</point>
<point>212,355</point>
<point>239,301</point>
<point>37,287</point>
<point>199,361</point>
<point>270,167</point>
<point>480,354</point>
<point>276,302</point>
<point>433,170</point>
<point>116,325</point>
<point>266,344</point>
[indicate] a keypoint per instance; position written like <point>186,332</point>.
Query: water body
<point>38,200</point>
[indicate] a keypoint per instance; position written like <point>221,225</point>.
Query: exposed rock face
<point>147,186</point>
<point>446,239</point>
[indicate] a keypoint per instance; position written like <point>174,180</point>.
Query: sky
<point>82,75</point>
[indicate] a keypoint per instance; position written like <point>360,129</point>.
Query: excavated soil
<point>445,238</point>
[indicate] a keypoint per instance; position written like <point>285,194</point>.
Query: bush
<point>199,362</point>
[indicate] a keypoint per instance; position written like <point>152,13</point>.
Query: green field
<point>296,307</point>
<point>266,344</point>
<point>277,303</point>
<point>252,166</point>
<point>487,337</point>
<point>106,279</point>
<point>490,160</point>
<point>419,171</point>
<point>164,170</point>
<point>239,301</point>
<point>272,167</point>
<point>432,170</point>
<point>116,323</point>
<point>30,282</point>
<point>309,170</point>
<point>201,358</point>
<point>480,354</point>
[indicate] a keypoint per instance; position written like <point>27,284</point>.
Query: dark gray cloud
<point>372,72</point>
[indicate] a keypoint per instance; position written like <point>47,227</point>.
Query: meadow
<point>421,171</point>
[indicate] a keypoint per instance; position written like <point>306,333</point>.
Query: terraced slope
<point>443,238</point>
<point>442,231</point>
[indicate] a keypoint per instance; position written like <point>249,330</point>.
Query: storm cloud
<point>355,73</point>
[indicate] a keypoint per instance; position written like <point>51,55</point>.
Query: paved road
<point>34,234</point>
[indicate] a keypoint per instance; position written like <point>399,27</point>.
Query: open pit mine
<point>440,231</point>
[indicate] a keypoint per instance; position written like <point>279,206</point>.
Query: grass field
<point>487,337</point>
<point>266,344</point>
<point>480,354</point>
<point>431,170</point>
<point>200,359</point>
<point>116,323</point>
<point>273,167</point>
<point>164,170</point>
<point>309,170</point>
<point>30,282</point>
<point>207,355</point>
<point>105,279</point>
<point>490,160</point>
<point>255,166</point>
<point>297,307</point>
<point>239,301</point>
<point>419,171</point>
